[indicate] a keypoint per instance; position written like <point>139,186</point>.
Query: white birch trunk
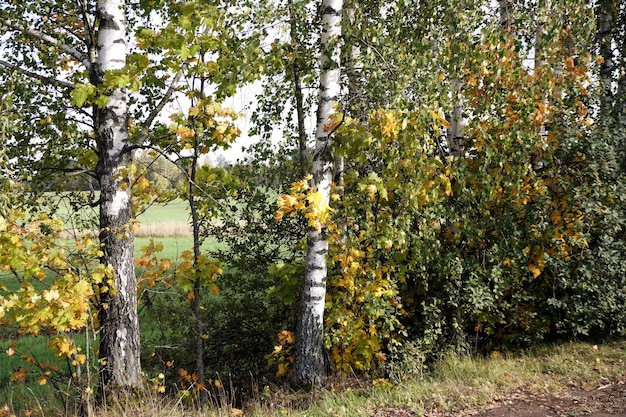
<point>119,332</point>
<point>619,102</point>
<point>309,363</point>
<point>536,160</point>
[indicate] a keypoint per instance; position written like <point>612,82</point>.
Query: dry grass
<point>456,382</point>
<point>165,229</point>
<point>149,405</point>
<point>459,382</point>
<point>177,229</point>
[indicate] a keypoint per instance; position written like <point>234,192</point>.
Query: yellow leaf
<point>535,270</point>
<point>51,295</point>
<point>184,132</point>
<point>440,119</point>
<point>390,124</point>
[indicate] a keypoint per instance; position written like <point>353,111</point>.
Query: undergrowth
<point>454,382</point>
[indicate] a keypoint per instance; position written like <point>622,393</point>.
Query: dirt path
<point>605,401</point>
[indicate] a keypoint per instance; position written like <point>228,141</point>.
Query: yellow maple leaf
<point>440,119</point>
<point>51,295</point>
<point>535,270</point>
<point>184,132</point>
<point>389,125</point>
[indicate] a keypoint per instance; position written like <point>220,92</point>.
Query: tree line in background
<point>462,187</point>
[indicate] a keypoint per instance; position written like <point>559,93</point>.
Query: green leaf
<point>82,93</point>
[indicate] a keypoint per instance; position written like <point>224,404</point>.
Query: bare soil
<point>608,400</point>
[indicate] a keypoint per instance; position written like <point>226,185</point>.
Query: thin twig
<point>31,74</point>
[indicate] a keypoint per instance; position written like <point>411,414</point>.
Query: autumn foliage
<point>484,250</point>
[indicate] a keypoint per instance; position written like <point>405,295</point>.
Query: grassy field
<point>173,246</point>
<point>161,220</point>
<point>158,220</point>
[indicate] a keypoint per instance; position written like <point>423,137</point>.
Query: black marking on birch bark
<point>325,98</point>
<point>107,21</point>
<point>96,75</point>
<point>330,10</point>
<point>314,268</point>
<point>327,169</point>
<point>321,252</point>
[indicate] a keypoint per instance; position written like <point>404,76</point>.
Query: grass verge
<point>460,382</point>
<point>456,382</point>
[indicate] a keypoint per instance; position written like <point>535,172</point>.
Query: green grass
<point>170,219</point>
<point>455,382</point>
<point>173,246</point>
<point>458,382</point>
<point>176,211</point>
<point>28,395</point>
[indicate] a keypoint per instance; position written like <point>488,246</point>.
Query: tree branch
<point>163,153</point>
<point>145,126</point>
<point>90,37</point>
<point>47,80</point>
<point>52,41</point>
<point>389,66</point>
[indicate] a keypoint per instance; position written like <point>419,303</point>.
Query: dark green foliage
<point>253,305</point>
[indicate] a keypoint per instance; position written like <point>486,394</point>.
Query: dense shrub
<point>255,300</point>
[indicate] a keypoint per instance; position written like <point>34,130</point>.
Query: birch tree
<point>87,98</point>
<point>54,46</point>
<point>119,340</point>
<point>309,364</point>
